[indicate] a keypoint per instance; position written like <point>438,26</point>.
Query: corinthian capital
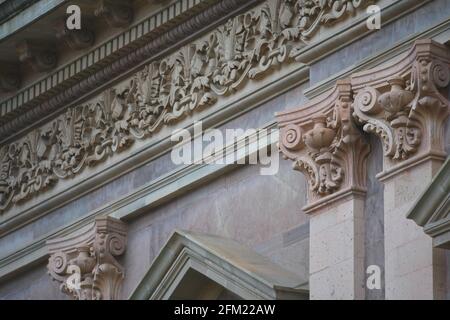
<point>84,262</point>
<point>322,141</point>
<point>402,103</point>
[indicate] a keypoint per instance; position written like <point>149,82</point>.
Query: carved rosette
<point>403,105</point>
<point>84,263</point>
<point>323,142</point>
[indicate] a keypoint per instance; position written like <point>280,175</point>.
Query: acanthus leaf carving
<point>245,48</point>
<point>402,103</point>
<point>323,143</point>
<point>85,263</point>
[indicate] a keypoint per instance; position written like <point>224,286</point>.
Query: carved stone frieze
<point>403,104</point>
<point>323,142</point>
<point>246,47</point>
<point>84,263</point>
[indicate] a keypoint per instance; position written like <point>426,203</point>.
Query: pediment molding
<point>432,209</point>
<point>225,261</point>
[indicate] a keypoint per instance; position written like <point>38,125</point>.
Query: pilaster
<point>402,104</point>
<point>323,143</point>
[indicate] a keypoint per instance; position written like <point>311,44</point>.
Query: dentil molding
<point>84,262</point>
<point>245,48</point>
<point>103,64</point>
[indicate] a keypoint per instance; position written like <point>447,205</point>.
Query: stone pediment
<point>231,266</point>
<point>432,209</point>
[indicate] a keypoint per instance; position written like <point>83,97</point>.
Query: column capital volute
<point>84,261</point>
<point>403,103</point>
<point>323,143</point>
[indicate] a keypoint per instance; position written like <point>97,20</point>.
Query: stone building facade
<point>339,182</point>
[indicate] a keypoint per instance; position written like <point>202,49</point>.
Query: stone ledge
<point>140,200</point>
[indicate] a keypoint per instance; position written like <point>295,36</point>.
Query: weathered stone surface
<point>240,206</point>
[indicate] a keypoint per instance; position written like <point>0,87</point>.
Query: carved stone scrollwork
<point>402,103</point>
<point>245,48</point>
<point>323,142</point>
<point>84,263</point>
<point>39,57</point>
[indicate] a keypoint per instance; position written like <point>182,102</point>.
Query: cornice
<point>437,33</point>
<point>328,43</point>
<point>206,72</point>
<point>250,274</point>
<point>403,102</point>
<point>112,59</point>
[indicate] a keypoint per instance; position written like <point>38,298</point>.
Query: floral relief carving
<point>84,263</point>
<point>246,47</point>
<point>403,104</point>
<point>323,142</point>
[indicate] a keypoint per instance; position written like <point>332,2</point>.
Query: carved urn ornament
<point>194,77</point>
<point>84,263</point>
<point>402,103</point>
<point>397,99</point>
<point>326,146</point>
<point>320,136</point>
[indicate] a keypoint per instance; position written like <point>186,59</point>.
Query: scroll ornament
<point>89,270</point>
<point>407,110</point>
<point>246,47</point>
<point>325,145</point>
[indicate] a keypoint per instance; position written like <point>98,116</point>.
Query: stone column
<point>401,103</point>
<point>84,262</point>
<point>322,141</point>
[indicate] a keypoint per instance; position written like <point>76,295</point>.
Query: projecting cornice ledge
<point>67,85</point>
<point>432,209</point>
<point>402,102</point>
<point>246,56</point>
